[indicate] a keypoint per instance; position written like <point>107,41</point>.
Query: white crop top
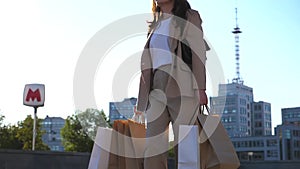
<point>159,45</point>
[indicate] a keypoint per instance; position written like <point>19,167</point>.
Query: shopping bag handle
<point>203,107</point>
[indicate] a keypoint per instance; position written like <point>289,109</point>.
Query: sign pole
<point>34,96</point>
<point>34,129</point>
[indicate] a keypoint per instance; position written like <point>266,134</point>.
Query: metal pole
<point>34,129</point>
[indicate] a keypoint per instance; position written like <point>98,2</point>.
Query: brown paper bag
<point>216,148</point>
<point>138,135</point>
<point>114,158</point>
<point>123,147</point>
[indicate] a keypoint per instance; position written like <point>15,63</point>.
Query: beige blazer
<point>183,77</point>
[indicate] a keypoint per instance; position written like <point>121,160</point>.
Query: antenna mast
<point>236,31</point>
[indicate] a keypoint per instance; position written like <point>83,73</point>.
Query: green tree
<point>9,140</point>
<point>91,119</point>
<point>74,137</point>
<point>8,136</point>
<point>171,149</point>
<point>1,119</point>
<point>24,134</point>
<point>80,129</point>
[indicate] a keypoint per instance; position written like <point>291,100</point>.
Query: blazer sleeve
<point>194,36</point>
<point>145,80</point>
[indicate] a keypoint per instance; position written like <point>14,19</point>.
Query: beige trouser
<point>162,111</point>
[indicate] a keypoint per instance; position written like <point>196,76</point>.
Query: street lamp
<point>250,154</point>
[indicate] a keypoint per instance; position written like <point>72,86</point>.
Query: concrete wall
<point>271,165</point>
<point>260,165</point>
<point>17,159</point>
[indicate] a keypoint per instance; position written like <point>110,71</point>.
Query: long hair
<point>180,9</point>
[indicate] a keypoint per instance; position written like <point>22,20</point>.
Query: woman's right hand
<point>203,97</point>
<point>138,116</point>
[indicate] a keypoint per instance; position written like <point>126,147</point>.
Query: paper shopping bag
<point>123,155</point>
<point>188,147</point>
<point>100,153</point>
<point>138,135</point>
<point>217,151</point>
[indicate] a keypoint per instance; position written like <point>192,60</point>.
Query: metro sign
<point>34,95</point>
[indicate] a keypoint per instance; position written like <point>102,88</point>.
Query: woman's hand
<point>136,111</point>
<point>203,97</point>
<point>138,116</point>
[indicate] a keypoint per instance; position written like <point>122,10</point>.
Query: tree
<point>1,119</point>
<point>80,129</point>
<point>74,137</point>
<point>171,153</point>
<point>8,136</point>
<point>24,134</point>
<point>91,119</point>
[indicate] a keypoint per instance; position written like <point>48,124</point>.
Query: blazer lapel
<point>173,36</point>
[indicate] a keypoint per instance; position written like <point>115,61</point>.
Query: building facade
<point>52,137</point>
<point>233,104</point>
<point>290,116</point>
<point>121,110</point>
<point>284,145</point>
<point>289,133</point>
<point>261,119</point>
<point>260,148</point>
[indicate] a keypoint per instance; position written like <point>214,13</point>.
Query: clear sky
<point>41,41</point>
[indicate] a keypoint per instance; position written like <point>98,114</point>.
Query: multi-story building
<point>121,110</point>
<point>52,137</point>
<point>261,119</point>
<point>289,134</point>
<point>284,145</point>
<point>233,104</point>
<point>260,148</point>
<point>290,116</point>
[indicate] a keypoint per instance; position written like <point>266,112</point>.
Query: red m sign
<point>34,95</point>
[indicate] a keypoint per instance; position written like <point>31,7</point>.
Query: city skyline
<point>42,40</point>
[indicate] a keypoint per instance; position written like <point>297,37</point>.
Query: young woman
<point>171,89</point>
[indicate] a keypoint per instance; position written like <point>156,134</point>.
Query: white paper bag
<point>188,147</point>
<point>100,153</point>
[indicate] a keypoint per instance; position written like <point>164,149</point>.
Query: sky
<point>41,41</point>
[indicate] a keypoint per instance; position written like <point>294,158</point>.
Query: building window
<point>258,124</point>
<point>258,132</point>
<point>297,154</point>
<point>268,124</point>
<point>287,133</point>
<point>258,107</point>
<point>296,133</point>
<point>268,116</point>
<point>272,153</point>
<point>242,110</point>
<point>267,108</point>
<point>230,101</point>
<point>257,116</point>
<point>297,143</point>
<point>258,143</point>
<point>272,143</point>
<point>243,102</point>
<point>248,97</point>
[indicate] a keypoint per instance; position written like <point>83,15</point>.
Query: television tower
<point>236,31</point>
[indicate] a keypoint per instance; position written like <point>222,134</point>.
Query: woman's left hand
<point>203,97</point>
